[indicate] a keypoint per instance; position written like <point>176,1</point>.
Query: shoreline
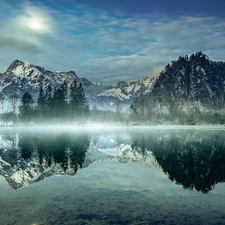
<point>105,126</point>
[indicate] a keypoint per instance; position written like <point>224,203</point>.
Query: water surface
<point>112,176</point>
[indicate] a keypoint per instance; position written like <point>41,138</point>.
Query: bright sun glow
<point>35,25</point>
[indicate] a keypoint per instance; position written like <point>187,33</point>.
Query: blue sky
<point>109,41</point>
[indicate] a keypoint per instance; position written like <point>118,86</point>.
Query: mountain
<point>21,77</point>
<point>107,95</point>
<point>189,82</point>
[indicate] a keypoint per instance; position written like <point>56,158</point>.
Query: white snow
<point>130,88</point>
<point>18,71</point>
<point>114,92</point>
<point>137,87</point>
<point>35,69</point>
<point>18,176</point>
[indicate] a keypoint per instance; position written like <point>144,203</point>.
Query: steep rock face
<point>21,77</point>
<point>193,80</point>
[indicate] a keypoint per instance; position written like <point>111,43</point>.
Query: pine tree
<point>62,105</point>
<point>78,105</point>
<point>26,108</point>
<point>134,110</point>
<point>59,102</point>
<point>73,101</point>
<point>56,109</point>
<point>48,103</point>
<point>41,104</point>
<point>83,107</point>
<point>13,99</point>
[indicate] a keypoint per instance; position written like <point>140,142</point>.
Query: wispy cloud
<point>103,46</point>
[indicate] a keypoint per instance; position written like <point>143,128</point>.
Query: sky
<point>109,41</point>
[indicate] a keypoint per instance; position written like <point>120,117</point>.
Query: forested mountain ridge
<point>23,77</point>
<point>190,82</point>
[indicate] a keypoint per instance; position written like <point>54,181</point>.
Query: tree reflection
<point>26,145</point>
<point>193,159</point>
<point>67,150</point>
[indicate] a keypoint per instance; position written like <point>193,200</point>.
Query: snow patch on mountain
<point>114,92</point>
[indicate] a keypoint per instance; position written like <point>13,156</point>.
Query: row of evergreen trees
<point>63,105</point>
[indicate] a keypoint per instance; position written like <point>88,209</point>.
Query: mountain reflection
<point>67,150</point>
<point>28,157</point>
<point>193,159</point>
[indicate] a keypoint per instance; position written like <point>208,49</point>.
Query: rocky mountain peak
<point>23,69</point>
<point>16,63</point>
<point>21,77</point>
<point>194,81</point>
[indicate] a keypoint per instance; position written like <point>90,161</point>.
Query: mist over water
<point>112,176</point>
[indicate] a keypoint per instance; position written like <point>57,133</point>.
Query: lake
<point>113,175</point>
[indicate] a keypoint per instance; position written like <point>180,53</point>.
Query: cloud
<point>103,46</point>
<point>20,46</point>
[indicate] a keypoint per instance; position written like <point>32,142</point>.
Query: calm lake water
<point>111,176</point>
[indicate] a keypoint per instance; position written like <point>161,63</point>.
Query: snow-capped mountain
<point>22,76</point>
<point>108,95</point>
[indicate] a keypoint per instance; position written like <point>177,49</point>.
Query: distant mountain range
<point>191,79</point>
<point>21,77</point>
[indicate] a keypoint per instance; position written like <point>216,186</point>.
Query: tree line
<point>64,105</point>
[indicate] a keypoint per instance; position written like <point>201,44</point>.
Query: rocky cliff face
<point>21,77</point>
<point>194,80</point>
